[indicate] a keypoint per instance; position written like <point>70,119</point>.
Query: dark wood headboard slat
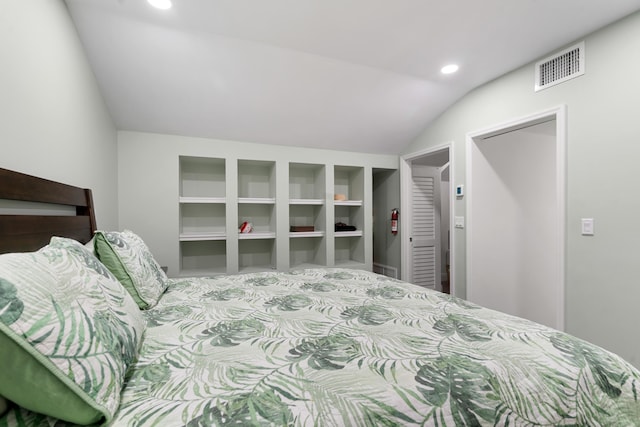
<point>27,233</point>
<point>33,189</point>
<point>88,210</point>
<point>31,232</point>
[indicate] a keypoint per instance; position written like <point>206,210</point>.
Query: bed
<point>92,332</point>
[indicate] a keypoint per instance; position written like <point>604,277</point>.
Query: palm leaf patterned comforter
<point>334,347</point>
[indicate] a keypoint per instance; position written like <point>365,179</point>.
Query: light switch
<point>459,222</point>
<point>587,226</point>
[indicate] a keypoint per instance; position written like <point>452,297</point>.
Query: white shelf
<point>195,237</point>
<point>356,233</point>
<point>350,264</point>
<point>306,265</point>
<point>306,202</point>
<point>203,200</point>
<point>347,202</point>
<point>201,273</point>
<point>257,235</point>
<point>294,234</point>
<point>257,200</point>
<point>256,269</point>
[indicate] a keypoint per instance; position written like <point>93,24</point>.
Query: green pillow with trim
<point>129,259</point>
<point>4,405</point>
<point>68,333</point>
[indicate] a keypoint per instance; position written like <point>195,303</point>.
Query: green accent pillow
<point>129,259</point>
<point>68,333</point>
<point>4,405</point>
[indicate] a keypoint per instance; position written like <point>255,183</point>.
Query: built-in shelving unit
<point>256,205</point>
<point>349,245</point>
<point>307,208</point>
<point>218,195</point>
<point>192,198</point>
<point>202,202</point>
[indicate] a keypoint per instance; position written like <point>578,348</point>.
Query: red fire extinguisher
<point>394,221</point>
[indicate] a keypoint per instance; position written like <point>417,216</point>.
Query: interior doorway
<point>386,245</point>
<point>515,217</point>
<point>426,214</point>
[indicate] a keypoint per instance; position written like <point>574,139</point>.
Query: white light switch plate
<point>459,222</point>
<point>587,226</point>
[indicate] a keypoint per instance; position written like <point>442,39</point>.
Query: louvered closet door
<point>426,226</point>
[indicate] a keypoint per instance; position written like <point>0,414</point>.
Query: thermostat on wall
<point>459,190</point>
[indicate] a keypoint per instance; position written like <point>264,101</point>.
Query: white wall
<point>513,237</point>
<point>602,272</point>
<point>54,122</point>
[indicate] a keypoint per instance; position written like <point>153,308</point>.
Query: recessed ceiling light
<point>449,69</point>
<point>160,4</point>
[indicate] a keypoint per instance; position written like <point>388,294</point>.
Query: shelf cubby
<point>202,178</point>
<point>203,257</point>
<point>261,216</point>
<point>307,215</point>
<point>256,180</point>
<point>349,248</point>
<point>351,215</point>
<point>256,255</point>
<point>202,221</point>
<point>349,181</point>
<point>306,182</point>
<point>307,253</point>
<point>349,251</point>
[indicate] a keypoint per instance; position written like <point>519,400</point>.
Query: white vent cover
<point>386,270</point>
<point>560,67</point>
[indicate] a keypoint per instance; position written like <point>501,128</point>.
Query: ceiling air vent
<point>560,67</point>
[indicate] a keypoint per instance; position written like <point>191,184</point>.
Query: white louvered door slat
<point>425,226</point>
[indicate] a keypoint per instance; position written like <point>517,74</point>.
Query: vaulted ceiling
<point>357,75</point>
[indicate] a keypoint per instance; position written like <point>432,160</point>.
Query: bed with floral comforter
<point>335,347</point>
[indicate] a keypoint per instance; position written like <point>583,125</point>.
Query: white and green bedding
<point>334,347</point>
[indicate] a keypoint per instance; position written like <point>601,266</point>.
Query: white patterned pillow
<point>129,259</point>
<point>68,332</point>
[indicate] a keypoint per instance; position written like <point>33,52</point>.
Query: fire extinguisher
<point>394,221</point>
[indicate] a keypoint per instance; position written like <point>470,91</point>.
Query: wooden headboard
<point>26,232</point>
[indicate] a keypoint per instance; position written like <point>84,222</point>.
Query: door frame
<point>406,205</point>
<point>559,114</point>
